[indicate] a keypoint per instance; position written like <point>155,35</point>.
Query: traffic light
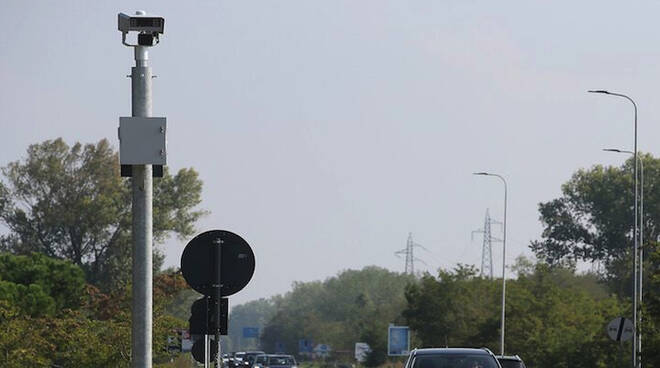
<point>202,322</point>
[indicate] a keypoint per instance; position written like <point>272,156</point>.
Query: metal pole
<point>504,265</point>
<point>641,258</point>
<point>207,348</point>
<point>142,223</point>
<point>218,297</point>
<point>635,231</point>
<point>636,246</point>
<point>503,261</point>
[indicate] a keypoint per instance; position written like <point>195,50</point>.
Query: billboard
<point>398,340</point>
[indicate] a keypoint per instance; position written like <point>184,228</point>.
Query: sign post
<point>217,264</point>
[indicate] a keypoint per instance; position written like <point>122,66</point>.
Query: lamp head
<point>480,173</point>
<point>612,150</point>
<point>598,91</point>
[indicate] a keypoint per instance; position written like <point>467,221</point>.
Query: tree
<point>593,219</point>
<point>71,203</point>
<point>553,319</point>
<point>455,309</point>
<point>39,285</point>
<point>355,305</point>
<point>255,313</point>
<point>651,315</point>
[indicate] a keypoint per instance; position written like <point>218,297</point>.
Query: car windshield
<point>455,361</point>
<point>280,361</point>
<point>511,364</point>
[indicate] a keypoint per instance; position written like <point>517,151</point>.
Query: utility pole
<point>142,145</point>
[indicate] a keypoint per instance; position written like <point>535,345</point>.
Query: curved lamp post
<point>635,236</point>
<point>503,259</point>
<point>641,237</point>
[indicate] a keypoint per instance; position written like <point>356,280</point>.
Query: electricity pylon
<point>486,248</point>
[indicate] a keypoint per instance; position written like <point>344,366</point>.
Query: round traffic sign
<point>198,264</point>
<point>620,329</point>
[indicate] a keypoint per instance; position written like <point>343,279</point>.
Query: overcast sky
<point>326,131</point>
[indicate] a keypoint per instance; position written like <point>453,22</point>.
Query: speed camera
<point>142,23</point>
<point>147,26</point>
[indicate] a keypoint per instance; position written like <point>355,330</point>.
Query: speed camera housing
<point>142,23</point>
<point>148,27</point>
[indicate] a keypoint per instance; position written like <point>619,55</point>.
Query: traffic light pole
<point>142,184</point>
<point>218,301</point>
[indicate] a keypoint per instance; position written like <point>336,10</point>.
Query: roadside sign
<point>250,332</point>
<point>305,346</point>
<point>236,262</point>
<point>322,350</point>
<point>398,340</point>
<point>362,349</point>
<point>620,329</point>
<point>186,341</point>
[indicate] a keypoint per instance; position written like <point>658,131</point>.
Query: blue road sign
<point>398,341</point>
<point>249,332</point>
<point>305,346</point>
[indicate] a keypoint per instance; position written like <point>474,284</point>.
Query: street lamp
<point>641,235</point>
<point>503,259</point>
<point>635,262</point>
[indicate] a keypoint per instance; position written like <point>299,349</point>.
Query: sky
<point>327,131</point>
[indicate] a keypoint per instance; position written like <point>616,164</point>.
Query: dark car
<point>451,358</point>
<point>280,361</point>
<point>249,357</point>
<point>260,361</point>
<point>510,361</point>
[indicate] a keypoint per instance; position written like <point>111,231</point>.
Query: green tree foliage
<point>593,219</point>
<point>651,315</point>
<point>69,202</point>
<point>95,334</point>
<point>455,309</point>
<point>39,285</point>
<point>340,311</point>
<point>553,319</point>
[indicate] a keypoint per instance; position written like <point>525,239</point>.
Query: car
<point>236,361</point>
<point>451,358</point>
<point>249,357</point>
<point>280,361</point>
<point>260,361</point>
<point>510,361</point>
